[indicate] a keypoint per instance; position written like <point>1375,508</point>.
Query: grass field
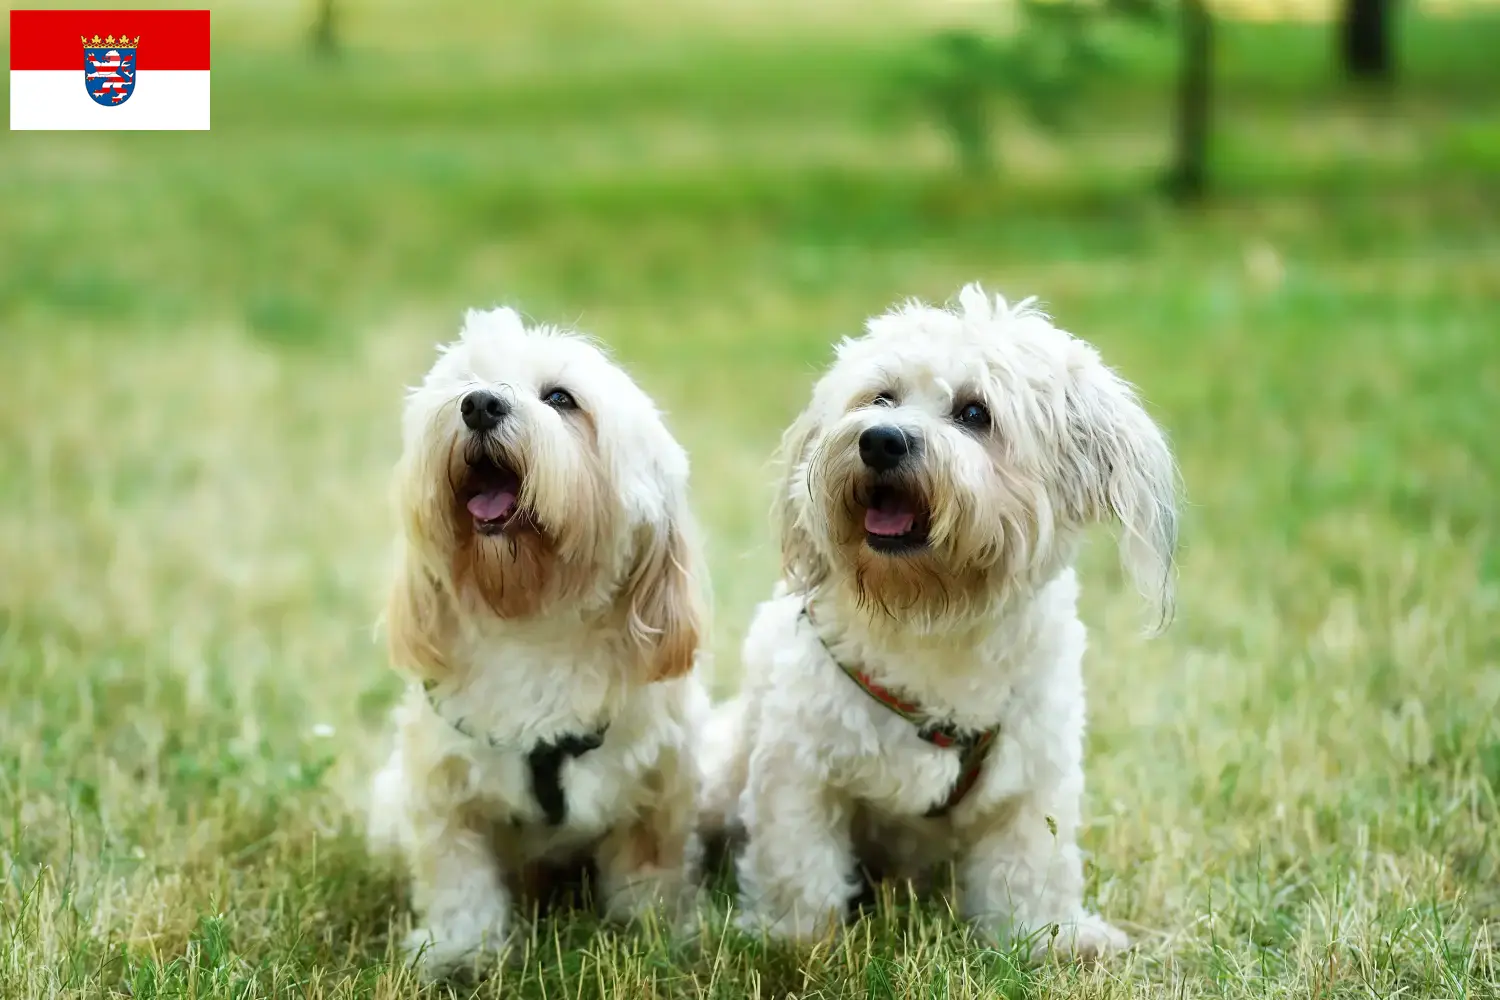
<point>203,339</point>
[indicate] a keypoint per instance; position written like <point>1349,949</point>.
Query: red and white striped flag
<point>109,69</point>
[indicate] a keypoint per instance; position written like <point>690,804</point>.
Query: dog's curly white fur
<point>548,585</point>
<point>935,493</point>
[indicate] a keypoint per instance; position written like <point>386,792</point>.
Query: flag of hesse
<point>109,69</point>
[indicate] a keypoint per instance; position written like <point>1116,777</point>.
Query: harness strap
<point>544,761</point>
<point>973,747</point>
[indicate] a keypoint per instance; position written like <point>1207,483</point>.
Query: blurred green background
<point>203,341</point>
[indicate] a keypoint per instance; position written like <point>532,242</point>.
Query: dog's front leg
<point>461,896</point>
<point>797,870</point>
<point>1022,878</point>
<point>646,861</point>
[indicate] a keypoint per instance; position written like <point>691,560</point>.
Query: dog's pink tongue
<point>889,519</point>
<point>493,505</point>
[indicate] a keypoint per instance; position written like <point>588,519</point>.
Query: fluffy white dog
<point>913,692</point>
<point>548,604</point>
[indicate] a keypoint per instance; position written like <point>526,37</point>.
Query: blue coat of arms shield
<point>109,69</point>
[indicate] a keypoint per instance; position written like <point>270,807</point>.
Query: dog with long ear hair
<point>913,694</point>
<point>549,608</point>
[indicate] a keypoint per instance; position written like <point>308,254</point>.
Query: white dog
<point>913,692</point>
<point>548,603</point>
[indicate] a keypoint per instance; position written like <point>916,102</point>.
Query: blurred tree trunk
<point>1365,39</point>
<point>325,40</point>
<point>1189,176</point>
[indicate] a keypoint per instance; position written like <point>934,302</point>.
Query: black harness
<point>544,761</point>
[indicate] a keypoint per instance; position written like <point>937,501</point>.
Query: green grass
<point>203,339</point>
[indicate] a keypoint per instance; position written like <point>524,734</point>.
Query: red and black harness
<point>972,746</point>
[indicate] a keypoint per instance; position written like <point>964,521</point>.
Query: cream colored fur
<point>980,628</point>
<point>587,612</point>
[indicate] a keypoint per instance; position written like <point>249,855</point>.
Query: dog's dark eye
<point>973,416</point>
<point>885,399</point>
<point>560,399</point>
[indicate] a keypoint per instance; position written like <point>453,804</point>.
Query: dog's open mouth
<point>895,520</point>
<point>491,493</point>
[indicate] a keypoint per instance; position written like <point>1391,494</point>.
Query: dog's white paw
<point>796,927</point>
<point>459,945</point>
<point>750,924</point>
<point>670,903</point>
<point>665,894</point>
<point>1087,939</point>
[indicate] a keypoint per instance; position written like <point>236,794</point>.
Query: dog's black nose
<point>885,447</point>
<point>483,410</point>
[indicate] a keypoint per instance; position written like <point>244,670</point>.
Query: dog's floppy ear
<point>667,604</point>
<point>802,565</point>
<point>1118,465</point>
<point>416,621</point>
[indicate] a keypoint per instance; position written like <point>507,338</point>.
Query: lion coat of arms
<point>109,68</point>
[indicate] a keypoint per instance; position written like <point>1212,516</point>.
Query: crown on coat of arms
<point>110,42</point>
